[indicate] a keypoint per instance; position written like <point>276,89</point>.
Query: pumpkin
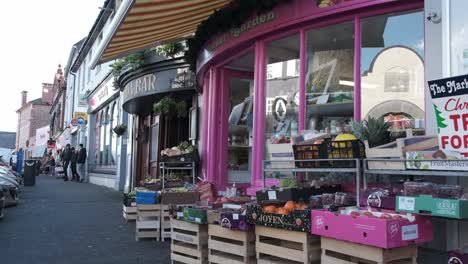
<point>269,209</point>
<point>290,205</point>
<point>282,211</point>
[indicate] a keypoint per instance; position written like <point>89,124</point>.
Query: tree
<point>440,119</point>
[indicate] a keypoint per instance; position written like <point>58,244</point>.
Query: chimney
<point>24,97</point>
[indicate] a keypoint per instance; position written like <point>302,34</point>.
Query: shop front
<point>306,65</point>
<point>159,81</point>
<point>104,146</point>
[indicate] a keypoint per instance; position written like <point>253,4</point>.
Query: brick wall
<point>48,93</point>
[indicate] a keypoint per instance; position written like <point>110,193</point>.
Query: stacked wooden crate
<point>230,246</point>
<point>189,242</point>
<point>148,222</point>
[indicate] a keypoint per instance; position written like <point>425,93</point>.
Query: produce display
<point>380,197</point>
<point>435,190</point>
<point>290,215</point>
<point>384,229</point>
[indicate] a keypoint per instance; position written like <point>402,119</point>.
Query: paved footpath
<point>67,223</point>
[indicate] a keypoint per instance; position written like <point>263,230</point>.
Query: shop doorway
<point>238,87</point>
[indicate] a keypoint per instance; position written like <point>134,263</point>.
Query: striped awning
<point>148,23</point>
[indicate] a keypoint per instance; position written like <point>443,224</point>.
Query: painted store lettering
<point>455,105</point>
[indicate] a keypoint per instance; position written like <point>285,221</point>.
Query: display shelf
<point>356,170</point>
<point>166,167</point>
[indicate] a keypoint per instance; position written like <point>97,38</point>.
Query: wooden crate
<point>165,223</point>
<point>129,213</point>
<point>274,245</point>
<point>227,246</point>
<point>343,252</point>
<point>148,222</point>
<point>189,242</point>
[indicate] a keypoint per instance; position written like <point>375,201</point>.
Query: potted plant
<point>120,129</point>
<point>170,107</point>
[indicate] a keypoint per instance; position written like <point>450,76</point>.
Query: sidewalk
<point>69,222</point>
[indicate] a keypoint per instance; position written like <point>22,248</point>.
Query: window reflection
<point>330,78</point>
<point>392,69</point>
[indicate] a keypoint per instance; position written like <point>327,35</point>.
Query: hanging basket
<point>120,129</point>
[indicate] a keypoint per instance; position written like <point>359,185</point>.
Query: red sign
<point>74,122</point>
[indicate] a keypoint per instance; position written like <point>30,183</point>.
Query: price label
<point>180,214</point>
<point>235,216</point>
<point>272,195</point>
<point>406,203</point>
<point>409,232</point>
<point>198,219</point>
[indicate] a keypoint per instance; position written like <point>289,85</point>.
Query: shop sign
<point>103,93</point>
<point>160,82</point>
<point>42,135</point>
<point>247,26</point>
<point>80,117</point>
<point>450,101</point>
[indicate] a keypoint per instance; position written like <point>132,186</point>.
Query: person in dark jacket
<point>81,162</point>
<point>66,160</point>
<point>73,160</point>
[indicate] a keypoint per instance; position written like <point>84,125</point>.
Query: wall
<point>24,132</point>
<point>39,117</point>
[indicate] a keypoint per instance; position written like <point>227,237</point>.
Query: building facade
<point>31,116</point>
<point>97,107</point>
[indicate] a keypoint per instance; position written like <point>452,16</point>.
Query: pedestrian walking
<point>81,162</point>
<point>73,160</point>
<point>66,160</point>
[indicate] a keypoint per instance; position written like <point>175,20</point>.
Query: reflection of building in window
<point>396,80</point>
<point>394,85</point>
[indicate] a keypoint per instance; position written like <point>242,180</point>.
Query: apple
<point>397,217</point>
<point>385,216</point>
<point>354,214</point>
<point>368,214</point>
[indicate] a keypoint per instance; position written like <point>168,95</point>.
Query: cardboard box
<point>385,202</point>
<point>426,204</point>
<point>180,197</point>
<point>213,216</point>
<point>372,231</point>
<point>236,221</point>
<point>297,220</point>
<point>440,160</point>
<point>195,215</point>
<point>281,152</point>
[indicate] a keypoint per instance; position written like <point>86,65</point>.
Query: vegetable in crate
<point>418,188</point>
<point>449,191</point>
<point>345,199</point>
<point>328,199</point>
<point>288,183</point>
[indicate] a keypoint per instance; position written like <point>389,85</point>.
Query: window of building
<point>90,54</point>
<point>102,144</point>
<point>330,77</point>
<point>97,126</point>
<point>392,69</point>
<point>282,91</point>
<point>113,145</point>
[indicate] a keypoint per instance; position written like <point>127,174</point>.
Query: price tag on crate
<point>406,203</point>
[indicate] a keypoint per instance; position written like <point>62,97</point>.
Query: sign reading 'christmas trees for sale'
<point>450,100</point>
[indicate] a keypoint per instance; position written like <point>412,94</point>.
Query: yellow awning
<point>148,23</point>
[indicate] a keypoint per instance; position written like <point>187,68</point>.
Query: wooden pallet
<point>274,245</point>
<point>165,223</point>
<point>189,242</point>
<point>343,252</point>
<point>129,213</point>
<point>227,246</point>
<point>148,222</point>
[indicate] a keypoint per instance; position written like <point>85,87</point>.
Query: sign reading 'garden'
<point>450,100</point>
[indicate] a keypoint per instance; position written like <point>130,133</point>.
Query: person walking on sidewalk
<point>81,163</point>
<point>73,160</point>
<point>66,160</point>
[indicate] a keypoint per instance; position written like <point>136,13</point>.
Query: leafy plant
<point>186,147</point>
<point>170,50</point>
<point>170,107</point>
<point>132,62</point>
<point>120,129</point>
<point>374,130</point>
<point>223,20</point>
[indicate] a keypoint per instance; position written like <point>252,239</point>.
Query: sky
<point>37,36</point>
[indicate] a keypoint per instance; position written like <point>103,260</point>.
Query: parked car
<point>10,187</point>
<point>2,203</point>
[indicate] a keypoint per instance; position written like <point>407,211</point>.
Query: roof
<point>73,53</point>
<point>37,101</point>
<point>7,140</point>
<point>141,24</point>
<point>93,34</point>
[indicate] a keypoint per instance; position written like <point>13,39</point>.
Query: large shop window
<point>240,130</point>
<point>330,78</point>
<point>282,93</point>
<point>392,69</point>
<point>105,138</point>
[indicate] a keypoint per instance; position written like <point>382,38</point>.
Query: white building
<point>95,100</point>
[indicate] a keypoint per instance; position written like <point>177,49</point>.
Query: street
<point>69,222</point>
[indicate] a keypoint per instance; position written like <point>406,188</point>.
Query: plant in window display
<point>120,129</point>
<point>170,107</point>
